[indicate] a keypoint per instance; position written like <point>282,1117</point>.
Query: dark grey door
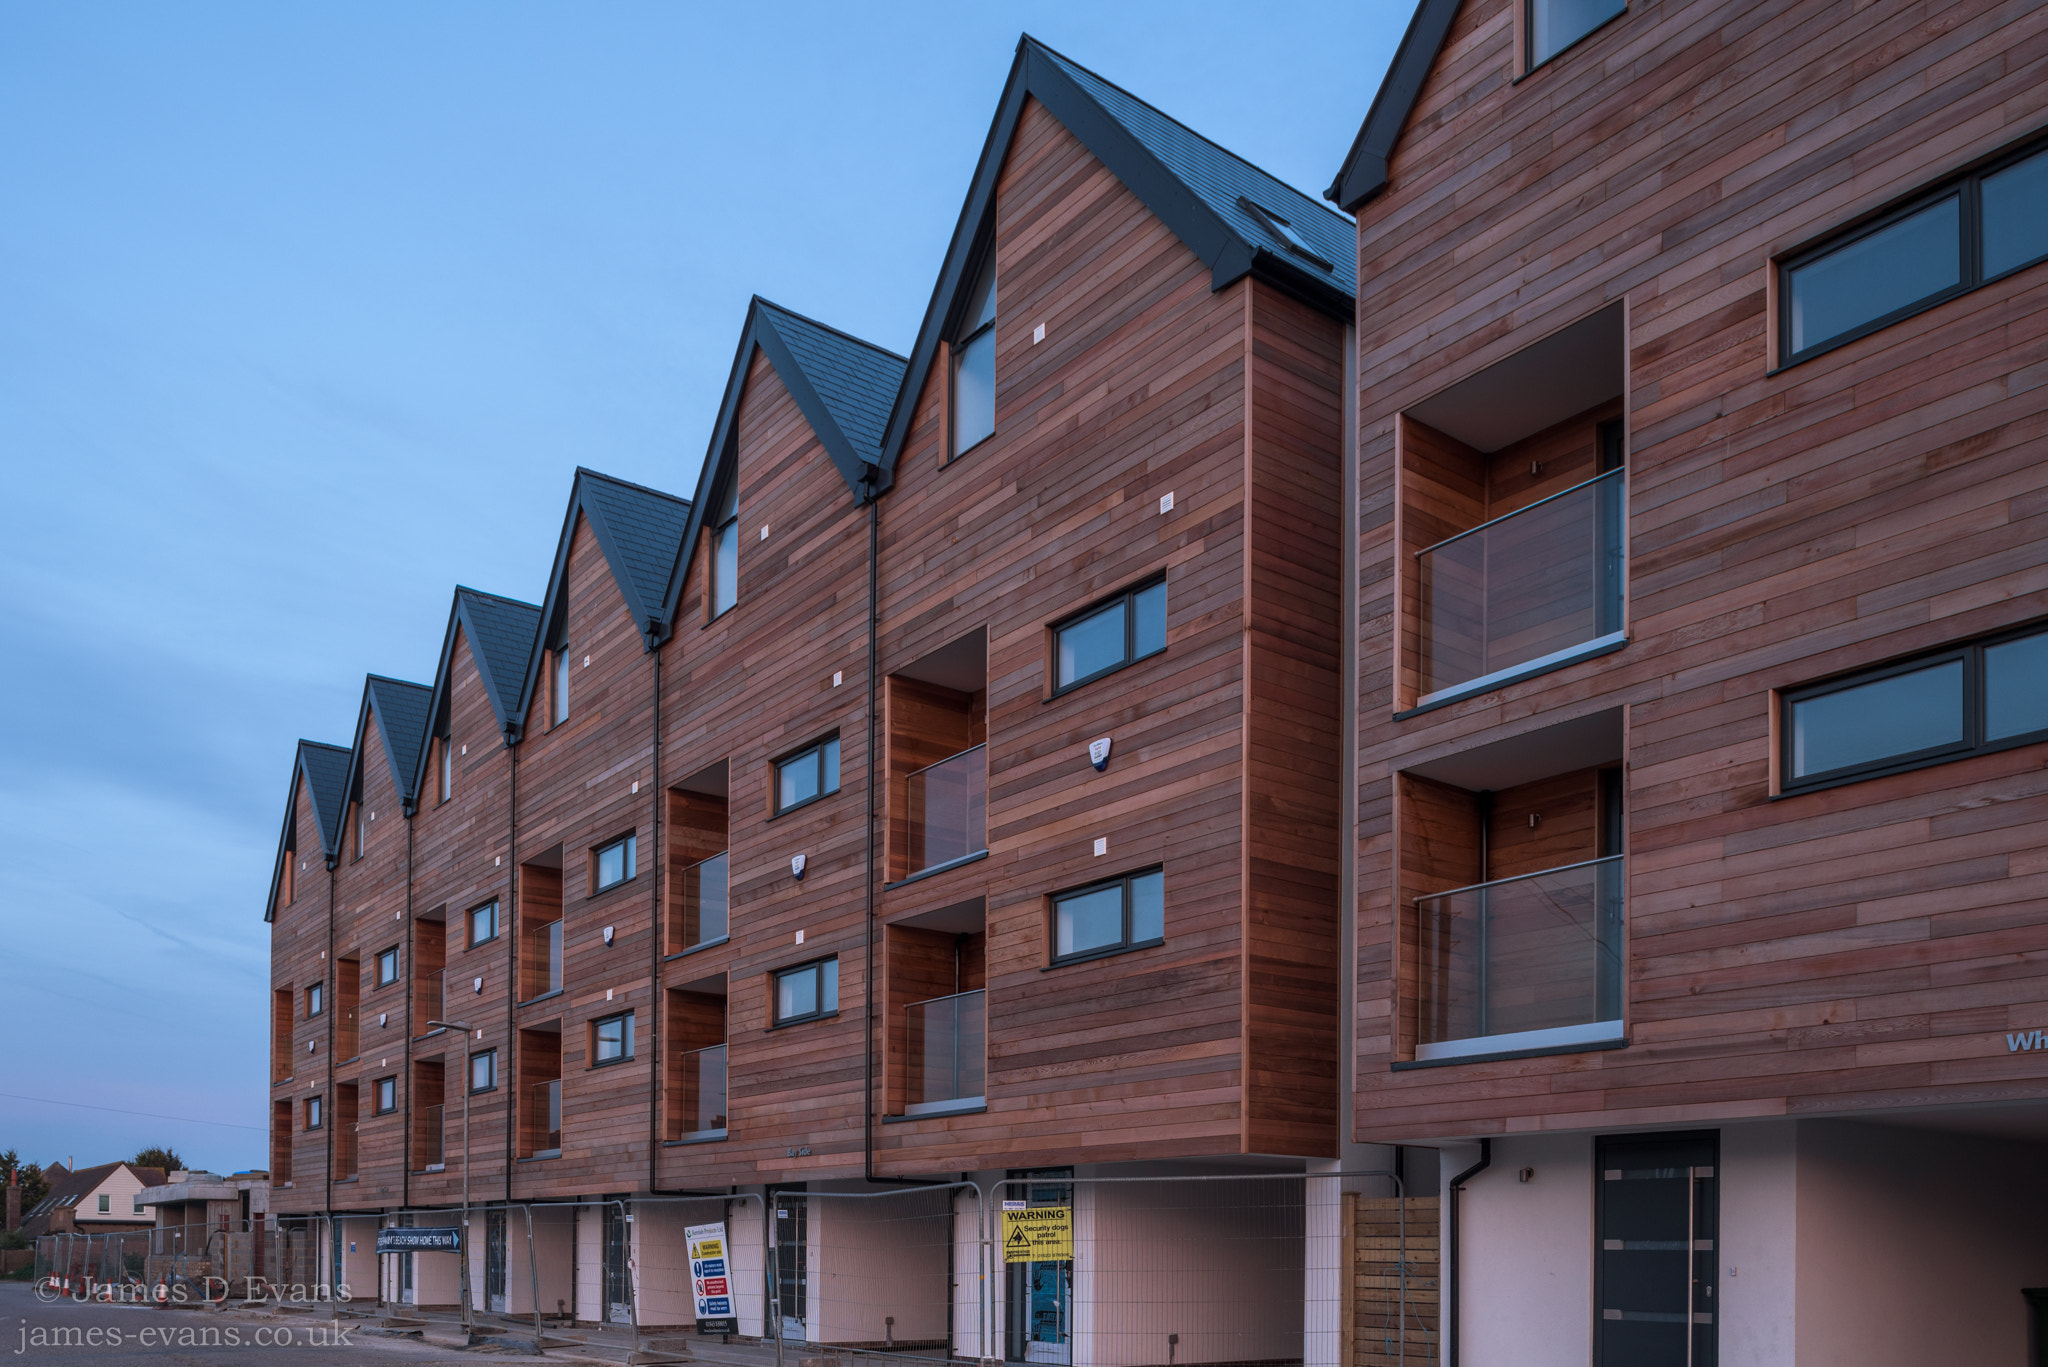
<point>1658,1238</point>
<point>494,1261</point>
<point>618,1278</point>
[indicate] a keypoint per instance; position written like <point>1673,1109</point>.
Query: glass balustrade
<point>705,887</point>
<point>1522,963</point>
<point>554,960</point>
<point>1542,584</point>
<point>345,1153</point>
<point>433,1149</point>
<point>703,1092</point>
<point>945,1045</point>
<point>948,809</point>
<point>546,1100</point>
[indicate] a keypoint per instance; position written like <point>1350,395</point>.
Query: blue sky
<point>308,313</point>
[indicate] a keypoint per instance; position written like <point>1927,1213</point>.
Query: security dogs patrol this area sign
<point>1037,1234</point>
<point>447,1240</point>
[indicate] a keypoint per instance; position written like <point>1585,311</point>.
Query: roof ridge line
<point>498,597</point>
<point>582,470</point>
<point>393,678</point>
<point>325,745</point>
<point>827,327</point>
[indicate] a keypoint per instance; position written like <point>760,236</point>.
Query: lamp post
<point>468,1315</point>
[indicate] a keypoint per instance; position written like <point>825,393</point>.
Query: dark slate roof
<point>400,710</point>
<point>326,771</point>
<point>1195,188</point>
<point>502,634</point>
<point>1364,172</point>
<point>857,381</point>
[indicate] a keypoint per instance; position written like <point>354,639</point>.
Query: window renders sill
<point>935,1110</point>
<point>545,996</point>
<point>1091,955</point>
<point>937,869</point>
<point>697,948</point>
<point>540,1157</point>
<point>801,1020</point>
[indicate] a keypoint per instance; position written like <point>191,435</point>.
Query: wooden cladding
<point>540,930</point>
<point>927,724</point>
<point>282,1014</point>
<point>282,1137</point>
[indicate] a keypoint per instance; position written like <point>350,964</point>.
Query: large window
<point>974,362</point>
<point>807,992</point>
<point>316,1000</point>
<point>385,1098</point>
<point>1952,239</point>
<point>1104,918</point>
<point>615,863</point>
<point>1110,635</point>
<point>558,704</point>
<point>807,775</point>
<point>314,1119</point>
<point>447,778</point>
<point>1988,695</point>
<point>611,1039</point>
<point>1555,25</point>
<point>725,550</point>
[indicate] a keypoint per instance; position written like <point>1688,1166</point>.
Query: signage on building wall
<point>2024,1040</point>
<point>447,1240</point>
<point>711,1279</point>
<point>1037,1234</point>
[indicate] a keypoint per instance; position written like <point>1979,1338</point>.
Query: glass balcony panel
<point>945,1051</point>
<point>705,888</point>
<point>554,959</point>
<point>704,1092</point>
<point>433,1150</point>
<point>1526,962</point>
<point>345,1153</point>
<point>949,809</point>
<point>1515,590</point>
<point>546,1100</point>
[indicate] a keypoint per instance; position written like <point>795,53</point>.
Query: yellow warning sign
<point>1038,1234</point>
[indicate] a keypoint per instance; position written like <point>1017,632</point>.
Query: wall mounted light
<point>382,1017</point>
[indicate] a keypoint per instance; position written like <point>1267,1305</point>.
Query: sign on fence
<point>447,1240</point>
<point>1037,1234</point>
<point>711,1279</point>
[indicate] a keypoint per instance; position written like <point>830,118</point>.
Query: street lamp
<point>468,1316</point>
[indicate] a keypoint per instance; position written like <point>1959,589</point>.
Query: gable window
<point>974,362</point>
<point>313,1120</point>
<point>1285,231</point>
<point>387,966</point>
<point>483,924</point>
<point>614,862</point>
<point>386,1095</point>
<point>106,1203</point>
<point>725,550</point>
<point>1948,241</point>
<point>558,701</point>
<point>1108,636</point>
<point>362,830</point>
<point>807,775</point>
<point>1108,917</point>
<point>316,1000</point>
<point>1967,700</point>
<point>611,1039</point>
<point>447,768</point>
<point>1555,25</point>
<point>483,1071</point>
<point>807,992</point>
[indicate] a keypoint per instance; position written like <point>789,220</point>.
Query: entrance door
<point>618,1280</point>
<point>494,1261</point>
<point>1038,1300</point>
<point>408,1294</point>
<point>1658,1236</point>
<point>792,1260</point>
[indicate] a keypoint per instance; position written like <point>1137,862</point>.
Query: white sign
<point>711,1275</point>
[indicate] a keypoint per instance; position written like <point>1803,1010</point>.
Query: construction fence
<point>1266,1270</point>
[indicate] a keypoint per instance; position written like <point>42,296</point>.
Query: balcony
<point>705,890</point>
<point>703,1093</point>
<point>945,1050</point>
<point>948,810</point>
<point>1528,963</point>
<point>345,1152</point>
<point>1529,591</point>
<point>546,1100</point>
<point>433,1152</point>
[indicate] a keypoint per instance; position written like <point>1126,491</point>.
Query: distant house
<point>98,1200</point>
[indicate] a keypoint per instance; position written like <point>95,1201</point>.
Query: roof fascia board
<point>285,843</point>
<point>1364,172</point>
<point>552,606</point>
<point>717,456</point>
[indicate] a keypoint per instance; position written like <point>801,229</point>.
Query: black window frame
<point>816,746</point>
<point>728,515</point>
<point>377,1087</point>
<point>1530,64</point>
<point>1127,945</point>
<point>316,999</point>
<point>470,1080</point>
<point>1128,597</point>
<point>776,1019</point>
<point>1967,185</point>
<point>631,863</point>
<point>626,1039</point>
<point>315,1112</point>
<point>397,968</point>
<point>984,260</point>
<point>444,777</point>
<point>558,688</point>
<point>1973,743</point>
<point>469,921</point>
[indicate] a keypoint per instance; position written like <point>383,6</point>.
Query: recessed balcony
<point>945,1045</point>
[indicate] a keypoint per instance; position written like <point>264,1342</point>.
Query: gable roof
<point>843,386</point>
<point>501,634</point>
<point>70,1188</point>
<point>325,770</point>
<point>1200,191</point>
<point>1364,172</point>
<point>400,710</point>
<point>640,530</point>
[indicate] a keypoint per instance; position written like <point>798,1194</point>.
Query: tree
<point>167,1159</point>
<point>34,1186</point>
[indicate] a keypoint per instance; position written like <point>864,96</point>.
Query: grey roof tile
<point>856,380</point>
<point>401,712</point>
<point>641,531</point>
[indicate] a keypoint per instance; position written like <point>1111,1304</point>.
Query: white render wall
<point>1527,1252</point>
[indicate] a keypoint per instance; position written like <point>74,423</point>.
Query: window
<point>1555,25</point>
<point>483,1071</point>
<point>1284,230</point>
<point>611,1039</point>
<point>974,362</point>
<point>138,1203</point>
<point>1104,918</point>
<point>807,775</point>
<point>447,768</point>
<point>807,992</point>
<point>313,1120</point>
<point>316,1000</point>
<point>725,550</point>
<point>1969,700</point>
<point>106,1204</point>
<point>483,924</point>
<point>1110,635</point>
<point>362,830</point>
<point>386,1095</point>
<point>615,864</point>
<point>387,966</point>
<point>559,702</point>
<point>1973,229</point>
